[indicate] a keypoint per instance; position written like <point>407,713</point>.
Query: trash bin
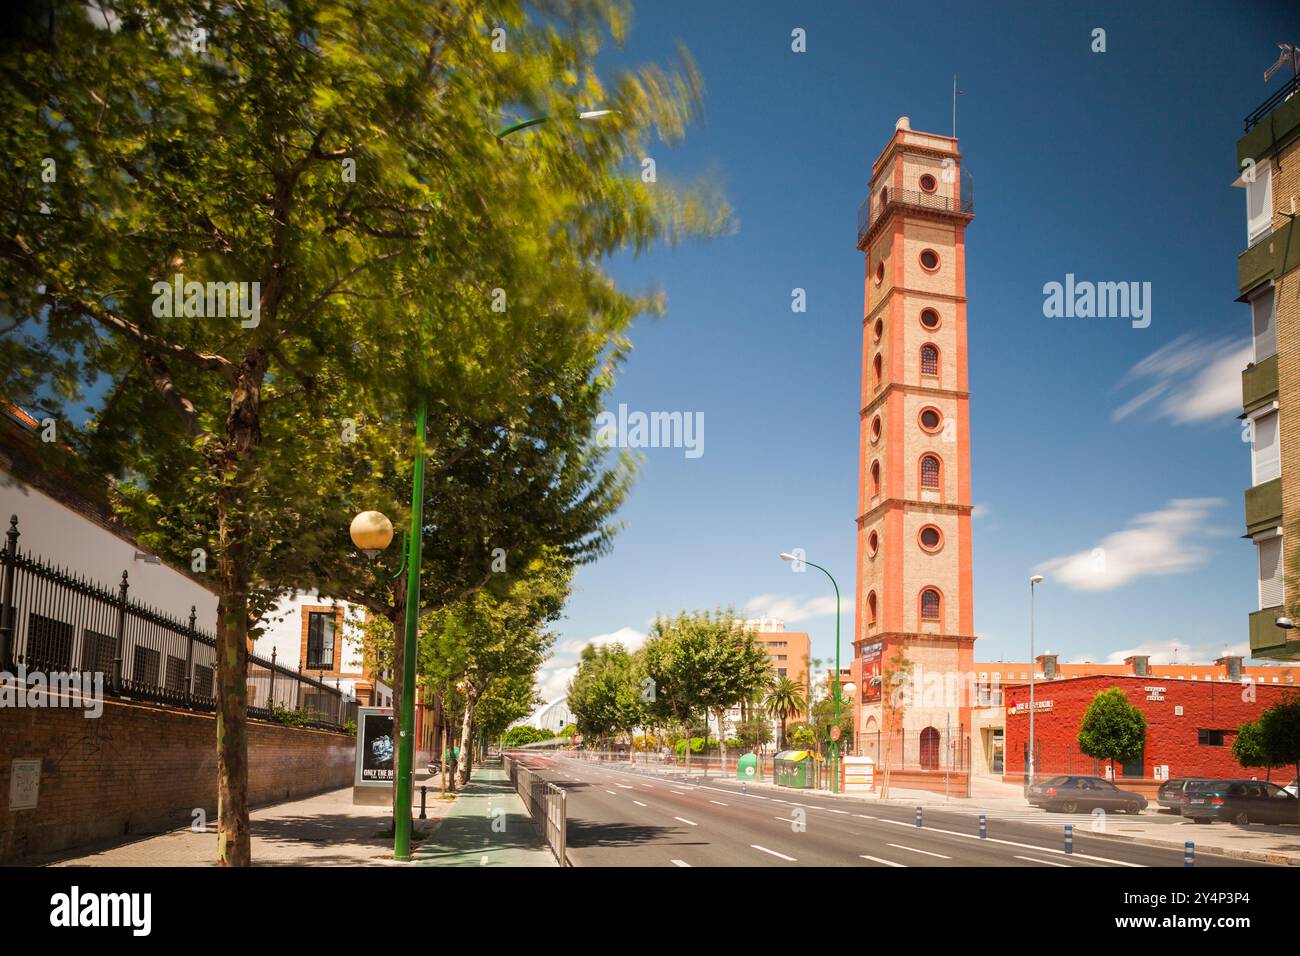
<point>794,768</point>
<point>747,767</point>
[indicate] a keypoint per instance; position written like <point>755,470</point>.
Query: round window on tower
<point>928,183</point>
<point>873,544</point>
<point>930,419</point>
<point>930,318</point>
<point>930,538</point>
<point>929,260</point>
<point>875,429</point>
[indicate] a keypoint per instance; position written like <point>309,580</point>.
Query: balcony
<point>1269,640</point>
<point>1264,506</point>
<point>1272,124</point>
<point>1259,384</point>
<point>876,207</point>
<point>1274,255</point>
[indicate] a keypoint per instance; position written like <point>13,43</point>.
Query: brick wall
<point>1286,187</point>
<point>138,770</point>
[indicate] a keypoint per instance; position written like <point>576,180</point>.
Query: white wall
<point>63,537</point>
<point>283,631</point>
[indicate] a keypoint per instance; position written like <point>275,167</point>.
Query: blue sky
<point>1086,433</point>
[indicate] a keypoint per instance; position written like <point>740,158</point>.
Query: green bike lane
<point>487,825</point>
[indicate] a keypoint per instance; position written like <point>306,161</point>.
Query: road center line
<point>611,793</point>
<point>639,803</point>
<point>876,859</point>
<point>773,852</point>
<point>684,820</point>
<point>719,803</point>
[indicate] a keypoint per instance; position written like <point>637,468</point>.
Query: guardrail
<point>546,804</point>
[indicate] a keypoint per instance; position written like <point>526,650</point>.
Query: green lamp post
<point>835,744</point>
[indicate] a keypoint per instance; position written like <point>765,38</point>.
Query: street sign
<point>835,733</point>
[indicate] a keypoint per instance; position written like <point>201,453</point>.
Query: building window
<point>928,183</point>
<point>1265,450</point>
<point>929,749</point>
<point>875,428</point>
<point>145,665</point>
<point>880,272</point>
<point>1263,315</point>
<point>1259,204</point>
<point>175,677</point>
<point>49,644</point>
<point>929,260</point>
<point>97,653</point>
<point>878,369</point>
<point>930,602</point>
<point>203,682</point>
<point>1209,738</point>
<point>875,479</point>
<point>930,318</point>
<point>930,473</point>
<point>321,627</point>
<point>878,329</point>
<point>1272,588</point>
<point>929,360</point>
<point>931,419</point>
<point>871,609</point>
<point>930,538</point>
<point>873,544</point>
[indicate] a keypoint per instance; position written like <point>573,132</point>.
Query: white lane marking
<point>681,863</point>
<point>624,786</point>
<point>684,820</point>
<point>899,846</point>
<point>639,803</point>
<point>682,792</point>
<point>1046,862</point>
<point>719,803</point>
<point>864,816</point>
<point>611,793</point>
<point>829,810</point>
<point>483,860</point>
<point>1023,846</point>
<point>876,859</point>
<point>773,852</point>
<point>788,819</point>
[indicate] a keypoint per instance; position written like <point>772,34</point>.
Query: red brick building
<point>1190,727</point>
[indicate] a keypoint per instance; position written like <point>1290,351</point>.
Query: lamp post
<point>835,744</point>
<point>414,542</point>
<point>1036,580</point>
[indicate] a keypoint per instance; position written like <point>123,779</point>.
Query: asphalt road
<point>621,817</point>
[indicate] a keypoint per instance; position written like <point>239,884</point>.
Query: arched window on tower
<point>929,360</point>
<point>930,602</point>
<point>871,609</point>
<point>875,479</point>
<point>930,473</point>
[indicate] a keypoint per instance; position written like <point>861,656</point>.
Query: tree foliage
<point>1112,728</point>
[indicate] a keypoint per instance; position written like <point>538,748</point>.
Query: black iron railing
<point>876,206</point>
<point>55,622</point>
<point>1272,103</point>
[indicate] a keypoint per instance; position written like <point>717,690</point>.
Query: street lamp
<point>835,744</point>
<point>414,541</point>
<point>371,532</point>
<point>1036,580</point>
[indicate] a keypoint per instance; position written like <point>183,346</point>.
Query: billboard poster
<point>871,676</point>
<point>378,748</point>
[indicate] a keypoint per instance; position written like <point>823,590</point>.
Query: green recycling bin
<point>747,767</point>
<point>794,768</point>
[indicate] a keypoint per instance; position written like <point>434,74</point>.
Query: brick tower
<point>914,492</point>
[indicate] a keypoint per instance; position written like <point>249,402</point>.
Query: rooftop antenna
<point>1290,53</point>
<point>956,93</point>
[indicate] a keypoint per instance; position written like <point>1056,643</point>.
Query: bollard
<point>1189,854</point>
<point>1069,838</point>
<point>743,789</point>
<point>984,827</point>
<point>918,816</point>
<point>424,792</point>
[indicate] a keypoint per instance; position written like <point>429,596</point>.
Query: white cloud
<point>1189,380</point>
<point>980,511</point>
<point>553,680</point>
<point>788,609</point>
<point>629,637</point>
<point>1155,543</point>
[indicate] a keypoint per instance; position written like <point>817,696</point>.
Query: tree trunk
<point>466,729</point>
<point>233,843</point>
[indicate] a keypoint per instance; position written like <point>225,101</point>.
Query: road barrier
<point>546,804</point>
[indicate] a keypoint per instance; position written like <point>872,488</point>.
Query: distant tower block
<point>914,493</point>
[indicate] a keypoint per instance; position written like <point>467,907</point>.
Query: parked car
<point>1170,794</point>
<point>1070,794</point>
<point>1240,802</point>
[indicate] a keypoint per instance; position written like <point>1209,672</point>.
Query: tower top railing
<point>876,206</point>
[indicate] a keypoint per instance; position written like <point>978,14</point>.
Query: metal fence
<point>546,804</point>
<point>875,206</point>
<point>53,621</point>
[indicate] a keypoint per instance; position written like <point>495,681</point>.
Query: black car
<point>1072,794</point>
<point>1240,802</point>
<point>1170,794</point>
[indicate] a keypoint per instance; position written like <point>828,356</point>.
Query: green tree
<point>603,694</point>
<point>802,737</point>
<point>344,164</point>
<point>522,735</point>
<point>1279,734</point>
<point>1112,728</point>
<point>823,718</point>
<point>1248,747</point>
<point>785,698</point>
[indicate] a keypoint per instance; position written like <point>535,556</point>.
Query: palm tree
<point>784,699</point>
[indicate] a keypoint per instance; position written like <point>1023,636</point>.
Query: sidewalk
<point>488,825</point>
<point>323,830</point>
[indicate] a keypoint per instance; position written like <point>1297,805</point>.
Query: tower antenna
<point>955,93</point>
<point>1290,53</point>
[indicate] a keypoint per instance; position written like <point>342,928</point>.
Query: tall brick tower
<point>914,492</point>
